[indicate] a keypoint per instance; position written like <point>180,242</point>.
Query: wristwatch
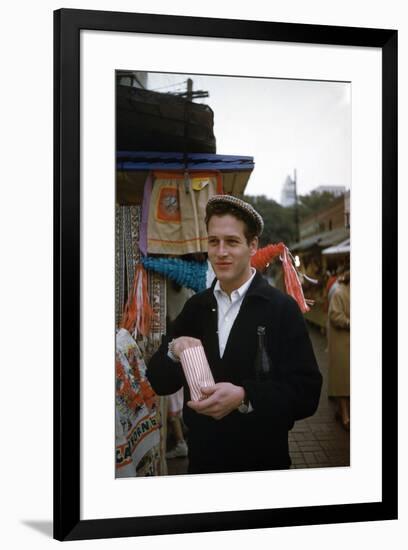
<point>171,354</point>
<point>244,405</point>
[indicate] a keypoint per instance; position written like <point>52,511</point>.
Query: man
<point>242,423</point>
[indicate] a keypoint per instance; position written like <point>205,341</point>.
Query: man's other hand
<point>219,400</point>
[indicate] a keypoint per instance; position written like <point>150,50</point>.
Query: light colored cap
<point>245,207</point>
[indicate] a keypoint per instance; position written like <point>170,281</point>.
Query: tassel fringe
<point>263,258</point>
<point>137,315</point>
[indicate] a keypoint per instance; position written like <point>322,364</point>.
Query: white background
<point>26,289</point>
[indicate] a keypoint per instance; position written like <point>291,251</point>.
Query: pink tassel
<point>292,283</point>
<point>262,259</point>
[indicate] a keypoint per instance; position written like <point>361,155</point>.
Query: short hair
<point>222,208</point>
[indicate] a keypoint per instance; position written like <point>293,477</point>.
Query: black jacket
<point>257,440</point>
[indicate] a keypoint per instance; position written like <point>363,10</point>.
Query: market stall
<point>160,237</point>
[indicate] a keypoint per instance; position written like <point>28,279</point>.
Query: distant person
<point>331,280</point>
<point>242,422</point>
<point>339,349</point>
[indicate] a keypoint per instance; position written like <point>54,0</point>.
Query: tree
<point>279,221</point>
<point>314,202</point>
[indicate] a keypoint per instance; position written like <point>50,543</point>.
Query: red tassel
<point>292,283</point>
<point>137,315</point>
<point>263,257</point>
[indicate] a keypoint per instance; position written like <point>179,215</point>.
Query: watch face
<point>243,408</point>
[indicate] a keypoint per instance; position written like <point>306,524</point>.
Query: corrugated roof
<point>322,240</point>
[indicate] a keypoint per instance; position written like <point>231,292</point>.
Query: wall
<point>26,289</point>
<point>332,217</point>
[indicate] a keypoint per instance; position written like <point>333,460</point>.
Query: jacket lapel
<point>242,340</point>
<point>210,330</point>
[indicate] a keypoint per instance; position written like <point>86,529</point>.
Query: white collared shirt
<point>228,309</point>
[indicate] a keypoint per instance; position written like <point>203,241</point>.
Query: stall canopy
<point>133,167</point>
<point>340,248</point>
<point>322,240</point>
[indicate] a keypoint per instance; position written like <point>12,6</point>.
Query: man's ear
<point>253,245</point>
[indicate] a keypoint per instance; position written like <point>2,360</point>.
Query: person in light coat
<point>339,349</point>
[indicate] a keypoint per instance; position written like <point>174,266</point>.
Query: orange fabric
<point>137,315</point>
<point>168,209</point>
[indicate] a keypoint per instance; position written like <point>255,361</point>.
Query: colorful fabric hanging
<point>292,283</point>
<point>156,285</point>
<point>190,274</point>
<point>131,224</point>
<point>137,315</point>
<point>144,314</point>
<point>120,263</point>
<point>293,286</point>
<point>158,299</point>
<point>176,223</point>
<point>137,413</point>
<point>127,222</point>
<point>147,195</point>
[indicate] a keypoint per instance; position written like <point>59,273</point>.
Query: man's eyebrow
<point>224,236</point>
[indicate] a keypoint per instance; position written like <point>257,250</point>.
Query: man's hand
<point>182,343</point>
<point>220,400</point>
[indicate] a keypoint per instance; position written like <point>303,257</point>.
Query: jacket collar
<point>258,287</point>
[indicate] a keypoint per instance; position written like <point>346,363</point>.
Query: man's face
<point>229,252</point>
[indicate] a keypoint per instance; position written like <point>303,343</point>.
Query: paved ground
<point>320,441</point>
<point>316,442</point>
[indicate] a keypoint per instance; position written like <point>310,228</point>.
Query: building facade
<point>335,216</point>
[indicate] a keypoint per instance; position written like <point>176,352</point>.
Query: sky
<point>285,125</point>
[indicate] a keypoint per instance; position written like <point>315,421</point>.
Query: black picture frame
<point>67,26</point>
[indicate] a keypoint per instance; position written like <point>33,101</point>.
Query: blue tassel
<point>190,274</point>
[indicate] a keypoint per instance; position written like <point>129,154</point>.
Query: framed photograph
<point>267,72</point>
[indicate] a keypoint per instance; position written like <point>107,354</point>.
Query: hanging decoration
<point>191,274</point>
<point>138,418</point>
<point>292,283</point>
<point>264,256</point>
<point>131,225</point>
<point>120,262</point>
<point>158,300</point>
<point>137,314</point>
<point>147,193</point>
<point>176,225</point>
